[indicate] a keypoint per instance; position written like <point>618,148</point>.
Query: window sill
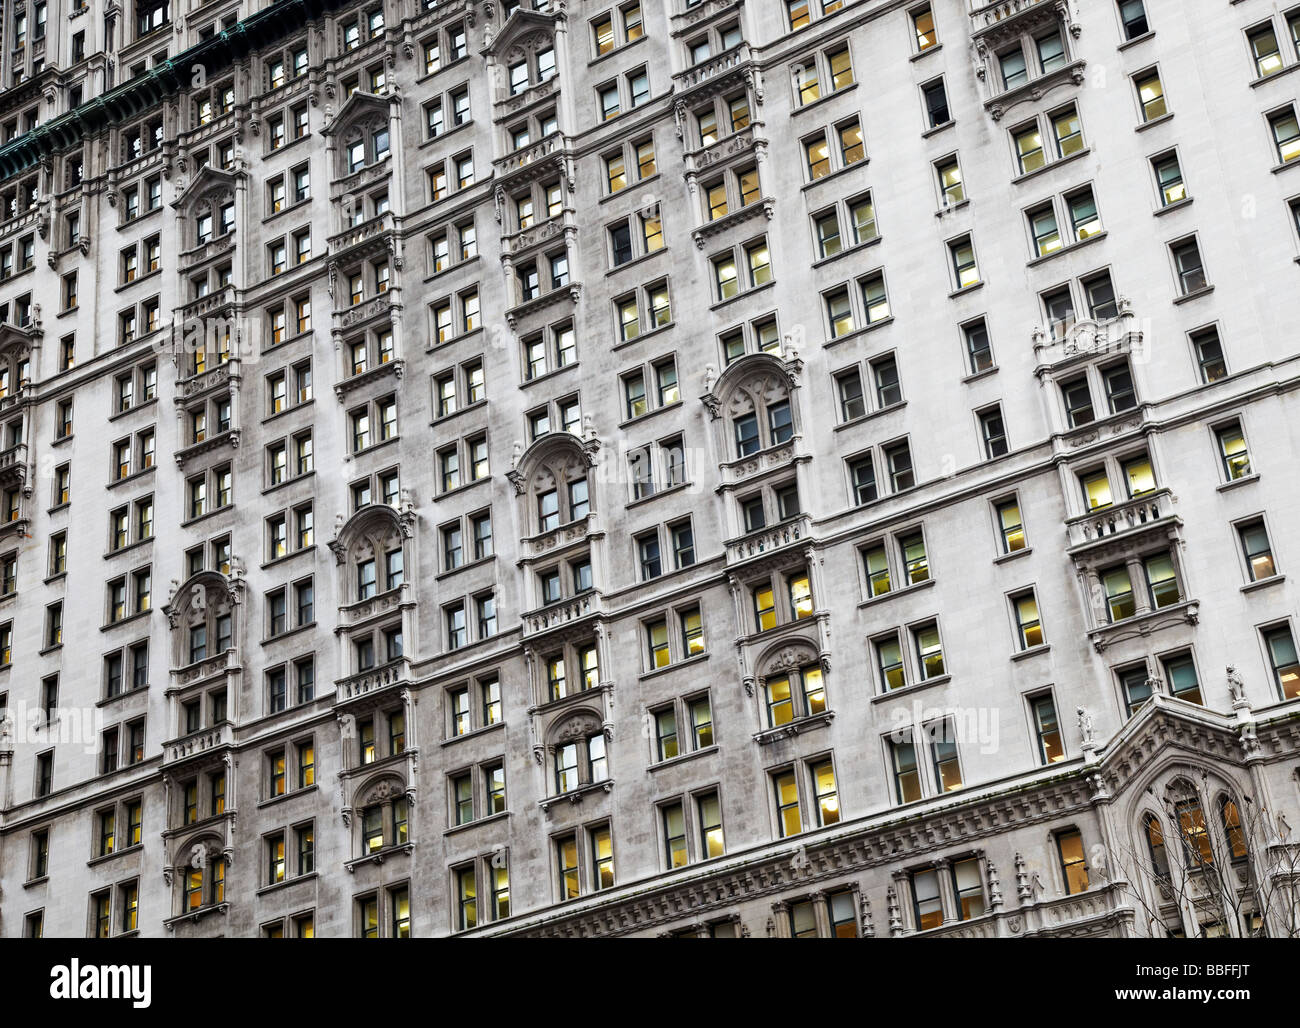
<point>657,330</point>
<point>451,268</point>
<point>1195,294</point>
<point>1263,583</point>
<point>287,411</point>
<point>379,856</point>
<point>131,410</point>
<point>443,419</point>
<point>372,448</point>
<point>1178,205</point>
<point>1154,122</point>
<point>870,416</point>
<point>290,481</point>
<point>926,52</point>
<point>641,418</point>
<point>855,248</point>
<point>208,515</point>
<point>872,601</point>
<point>830,176</point>
<point>1276,75</point>
<point>460,489</point>
<point>444,134</point>
<point>974,287</point>
<point>1073,247</point>
<point>137,616</point>
<point>460,568</point>
<point>606,198</point>
<point>32,882</point>
<point>1149,34</point>
<point>912,687</point>
<point>952,208</point>
<point>272,801</point>
<point>1054,163</point>
<point>1033,651</point>
<point>278,561</point>
<point>741,295</point>
<point>490,819</point>
<point>976,376</point>
<point>682,758</point>
<point>137,280</point>
<point>1007,558</point>
<point>618,269</point>
<point>544,376</point>
<point>453,340</point>
<point>134,476</point>
<point>310,876</point>
<point>288,634</point>
<point>109,857</point>
<point>659,672</point>
<point>859,332</point>
<point>1293,163</point>
<point>821,101</point>
<point>577,795</point>
<point>128,548</point>
<point>142,690</point>
<point>474,733</point>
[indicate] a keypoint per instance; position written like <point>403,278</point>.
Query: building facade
<point>731,468</point>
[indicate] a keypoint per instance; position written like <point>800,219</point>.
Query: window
<point>965,269</point>
<point>1265,50</point>
<point>1258,552</point>
<point>1233,452</point>
<point>935,98</point>
<point>1133,17</point>
<point>951,189</point>
<point>1074,868</point>
<point>1011,530</point>
<point>907,776</point>
<point>1188,266</point>
<point>1047,729</point>
<point>1151,95</point>
<point>898,458</point>
<point>1286,134</point>
<point>1209,354</point>
<point>1282,657</point>
<point>1029,629</point>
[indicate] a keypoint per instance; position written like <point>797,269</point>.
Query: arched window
<point>553,478</point>
<point>1232,831</point>
<point>383,820</point>
<point>1156,847</point>
<point>1195,835</point>
<point>761,416</point>
<point>203,878</point>
<point>578,752</point>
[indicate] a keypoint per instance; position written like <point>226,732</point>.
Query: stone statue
<point>1086,732</point>
<point>1236,687</point>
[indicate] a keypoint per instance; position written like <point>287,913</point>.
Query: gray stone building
<point>732,468</point>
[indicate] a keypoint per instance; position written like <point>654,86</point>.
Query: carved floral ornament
<point>208,592</point>
<point>574,726</point>
<point>374,531</point>
<point>555,459</point>
<point>791,655</point>
<point>390,787</point>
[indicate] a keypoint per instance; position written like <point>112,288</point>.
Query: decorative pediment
<point>373,531</point>
<point>754,380</point>
<point>523,33</point>
<point>209,189</point>
<point>556,457</point>
<point>207,592</point>
<point>574,726</point>
<point>381,789</point>
<point>362,112</point>
<point>786,656</point>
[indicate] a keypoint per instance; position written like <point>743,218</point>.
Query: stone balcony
<point>360,240</point>
<point>205,382</point>
<point>569,613</point>
<point>788,535</point>
<point>361,611</point>
<point>13,466</point>
<point>1086,339</point>
<point>1100,911</point>
<point>714,73</point>
<point>370,686</point>
<point>199,744</point>
<point>1008,13</point>
<point>217,441</point>
<point>1131,518</point>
